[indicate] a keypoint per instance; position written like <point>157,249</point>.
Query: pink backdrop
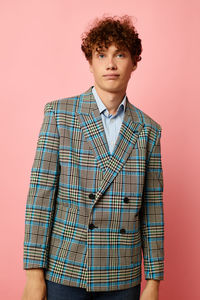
<point>41,60</point>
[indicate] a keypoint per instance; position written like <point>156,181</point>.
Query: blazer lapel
<point>91,123</point>
<point>92,127</point>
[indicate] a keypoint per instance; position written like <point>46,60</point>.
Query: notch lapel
<point>91,124</point>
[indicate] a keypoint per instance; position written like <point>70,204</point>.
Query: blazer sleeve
<point>151,215</point>
<point>42,193</point>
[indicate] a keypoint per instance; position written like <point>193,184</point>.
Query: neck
<point>111,99</point>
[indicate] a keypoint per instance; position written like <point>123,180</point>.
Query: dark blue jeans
<point>57,291</point>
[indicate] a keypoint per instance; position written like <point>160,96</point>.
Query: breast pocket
<point>132,174</point>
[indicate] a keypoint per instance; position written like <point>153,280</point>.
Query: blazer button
<point>122,230</point>
<point>92,196</point>
<point>126,200</point>
<point>91,226</point>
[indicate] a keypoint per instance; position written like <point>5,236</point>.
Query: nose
<point>111,64</point>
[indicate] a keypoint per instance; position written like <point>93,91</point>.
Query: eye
<point>122,55</point>
<point>100,55</point>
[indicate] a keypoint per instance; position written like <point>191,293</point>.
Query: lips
<point>111,76</point>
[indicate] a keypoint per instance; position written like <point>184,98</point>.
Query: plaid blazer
<point>90,215</point>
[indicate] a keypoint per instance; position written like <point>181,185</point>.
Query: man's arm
<point>41,195</point>
<point>151,215</point>
<point>35,287</point>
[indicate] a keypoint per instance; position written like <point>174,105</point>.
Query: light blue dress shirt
<point>111,123</point>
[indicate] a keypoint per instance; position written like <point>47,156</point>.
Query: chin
<point>112,89</point>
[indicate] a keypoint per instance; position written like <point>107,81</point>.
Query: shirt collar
<point>101,105</point>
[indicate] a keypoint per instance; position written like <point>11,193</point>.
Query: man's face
<point>111,61</point>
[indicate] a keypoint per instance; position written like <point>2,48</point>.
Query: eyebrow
<point>117,50</point>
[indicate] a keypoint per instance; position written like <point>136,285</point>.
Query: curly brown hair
<point>117,30</point>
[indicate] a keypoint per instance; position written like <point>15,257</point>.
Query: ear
<point>134,67</point>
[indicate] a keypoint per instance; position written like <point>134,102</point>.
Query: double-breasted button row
<point>92,196</point>
<point>92,226</point>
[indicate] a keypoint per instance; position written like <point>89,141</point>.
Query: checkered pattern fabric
<point>90,215</point>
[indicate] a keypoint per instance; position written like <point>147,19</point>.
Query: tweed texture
<point>90,215</point>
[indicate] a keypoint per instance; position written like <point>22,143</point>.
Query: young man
<point>95,202</point>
